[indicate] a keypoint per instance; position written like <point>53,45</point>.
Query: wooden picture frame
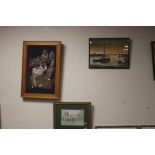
<point>109,53</point>
<point>153,57</point>
<point>72,115</point>
<point>41,70</point>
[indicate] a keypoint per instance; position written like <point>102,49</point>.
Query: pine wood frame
<point>26,95</point>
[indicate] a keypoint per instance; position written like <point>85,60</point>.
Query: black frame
<point>153,57</point>
<point>58,106</point>
<point>126,127</point>
<point>127,66</point>
<point>118,127</point>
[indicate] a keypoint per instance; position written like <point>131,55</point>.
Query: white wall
<point>120,97</point>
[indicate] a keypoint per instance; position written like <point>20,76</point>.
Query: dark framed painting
<point>118,127</point>
<point>72,115</point>
<point>147,127</point>
<point>41,69</point>
<point>109,53</point>
<point>153,57</point>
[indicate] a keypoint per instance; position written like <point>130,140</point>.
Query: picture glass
<point>109,52</point>
<point>40,73</point>
<point>73,117</point>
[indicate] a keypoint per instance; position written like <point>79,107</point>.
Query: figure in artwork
<point>42,69</point>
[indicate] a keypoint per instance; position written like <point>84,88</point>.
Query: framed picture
<point>41,69</point>
<point>147,126</point>
<point>72,115</point>
<point>153,57</point>
<point>118,127</point>
<point>109,53</point>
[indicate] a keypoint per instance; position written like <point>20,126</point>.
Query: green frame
<point>70,107</point>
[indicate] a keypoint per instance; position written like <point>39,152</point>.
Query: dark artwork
<point>41,63</point>
<point>153,57</point>
<point>109,53</point>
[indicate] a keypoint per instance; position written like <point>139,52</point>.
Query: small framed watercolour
<point>109,53</point>
<point>153,57</point>
<point>72,115</point>
<point>41,69</point>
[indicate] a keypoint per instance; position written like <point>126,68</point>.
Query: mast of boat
<point>103,50</point>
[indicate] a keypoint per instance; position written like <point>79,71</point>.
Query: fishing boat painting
<point>109,53</point>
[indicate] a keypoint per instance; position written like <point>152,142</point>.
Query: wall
<point>119,97</point>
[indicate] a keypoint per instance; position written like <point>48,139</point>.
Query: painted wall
<point>119,97</point>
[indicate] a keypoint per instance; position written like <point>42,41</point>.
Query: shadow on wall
<point>92,116</point>
<point>61,67</point>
